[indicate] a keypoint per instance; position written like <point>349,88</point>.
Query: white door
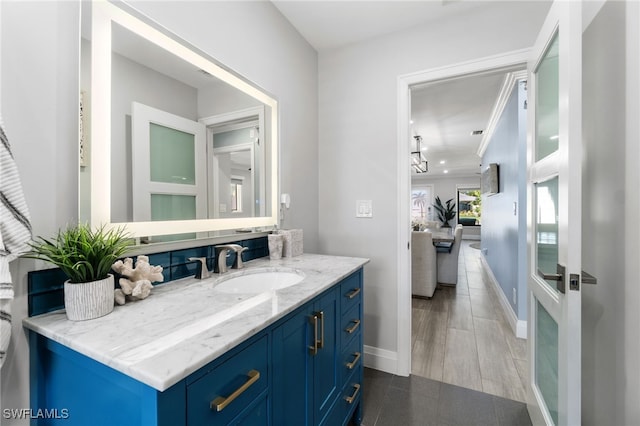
<point>554,220</point>
<point>169,166</point>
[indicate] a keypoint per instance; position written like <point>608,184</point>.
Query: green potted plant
<point>446,211</point>
<point>85,255</point>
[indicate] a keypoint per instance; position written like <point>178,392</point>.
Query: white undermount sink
<point>260,280</point>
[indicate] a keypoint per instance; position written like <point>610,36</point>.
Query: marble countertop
<point>185,324</point>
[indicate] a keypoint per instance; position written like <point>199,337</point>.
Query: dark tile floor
<point>391,400</point>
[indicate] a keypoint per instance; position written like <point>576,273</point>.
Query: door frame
<point>403,198</point>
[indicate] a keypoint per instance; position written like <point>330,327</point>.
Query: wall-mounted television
<point>491,179</point>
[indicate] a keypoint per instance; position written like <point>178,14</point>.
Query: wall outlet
<point>515,293</point>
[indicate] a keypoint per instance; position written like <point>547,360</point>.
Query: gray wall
<point>358,139</point>
<point>502,230</point>
<point>610,352</point>
<point>40,81</point>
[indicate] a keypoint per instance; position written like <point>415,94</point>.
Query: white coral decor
<point>136,282</point>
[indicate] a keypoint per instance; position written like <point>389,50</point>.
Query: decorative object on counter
<point>293,239</point>
<point>446,211</point>
<point>85,255</point>
<point>276,243</point>
<point>136,281</point>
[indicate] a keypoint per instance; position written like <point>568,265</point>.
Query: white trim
<point>403,269</point>
<point>509,83</point>
<point>519,327</point>
<point>381,359</point>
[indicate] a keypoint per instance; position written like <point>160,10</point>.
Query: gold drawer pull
<point>352,398</point>
<point>353,363</point>
<point>356,323</point>
<point>321,317</point>
<point>353,293</point>
<point>221,402</point>
<point>313,349</point>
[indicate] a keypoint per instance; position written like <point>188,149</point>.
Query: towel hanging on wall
<point>15,234</point>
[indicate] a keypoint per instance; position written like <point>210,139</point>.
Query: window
<point>469,206</point>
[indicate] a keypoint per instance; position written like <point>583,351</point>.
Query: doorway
<point>505,62</point>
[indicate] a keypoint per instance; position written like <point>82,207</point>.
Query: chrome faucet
<point>221,256</point>
<point>203,271</point>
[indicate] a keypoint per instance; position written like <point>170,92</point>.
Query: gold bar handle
<point>352,398</point>
<point>221,402</point>
<point>353,293</point>
<point>321,317</point>
<point>353,363</point>
<point>356,324</point>
<point>313,349</point>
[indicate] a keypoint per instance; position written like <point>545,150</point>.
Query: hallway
<point>461,337</point>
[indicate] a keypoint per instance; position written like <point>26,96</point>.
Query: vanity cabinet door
<point>326,380</point>
<point>305,363</point>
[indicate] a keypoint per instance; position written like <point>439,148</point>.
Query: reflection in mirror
<point>174,143</point>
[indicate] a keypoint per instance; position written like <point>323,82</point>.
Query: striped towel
<point>15,234</point>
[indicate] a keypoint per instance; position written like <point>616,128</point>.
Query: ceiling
<point>445,113</point>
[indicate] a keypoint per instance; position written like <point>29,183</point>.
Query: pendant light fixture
<point>418,160</point>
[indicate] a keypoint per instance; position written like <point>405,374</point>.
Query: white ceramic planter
<point>87,301</point>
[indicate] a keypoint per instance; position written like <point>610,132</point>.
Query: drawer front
<point>219,396</point>
<point>351,359</point>
<point>344,408</point>
<point>350,325</point>
<point>351,291</point>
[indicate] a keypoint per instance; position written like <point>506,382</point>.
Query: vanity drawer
<point>344,407</point>
<point>223,393</point>
<point>351,359</point>
<point>350,325</point>
<point>351,291</point>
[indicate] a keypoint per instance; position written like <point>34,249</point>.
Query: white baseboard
<point>519,327</point>
<point>381,359</point>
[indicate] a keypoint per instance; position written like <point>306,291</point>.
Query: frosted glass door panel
<point>173,207</point>
<point>172,155</point>
<point>547,359</point>
<point>547,99</point>
<point>547,228</point>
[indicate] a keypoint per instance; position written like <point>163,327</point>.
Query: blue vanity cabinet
<point>303,370</point>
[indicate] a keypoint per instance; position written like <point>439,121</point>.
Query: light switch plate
<point>364,208</point>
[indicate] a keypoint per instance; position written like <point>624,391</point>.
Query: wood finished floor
<point>461,337</point>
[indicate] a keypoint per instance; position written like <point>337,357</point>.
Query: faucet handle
<point>202,272</point>
<point>239,250</point>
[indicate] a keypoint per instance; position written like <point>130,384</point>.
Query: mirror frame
<point>102,16</point>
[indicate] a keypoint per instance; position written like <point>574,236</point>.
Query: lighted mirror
<point>172,141</point>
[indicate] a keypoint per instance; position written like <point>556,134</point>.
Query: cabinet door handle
<point>321,317</point>
<point>352,398</point>
<point>313,349</point>
<point>353,363</point>
<point>221,402</point>
<point>356,323</point>
<point>353,293</point>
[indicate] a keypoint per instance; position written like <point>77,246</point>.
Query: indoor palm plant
<point>85,255</point>
<point>446,211</point>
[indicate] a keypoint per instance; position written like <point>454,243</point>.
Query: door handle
<point>588,278</point>
<point>558,277</point>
